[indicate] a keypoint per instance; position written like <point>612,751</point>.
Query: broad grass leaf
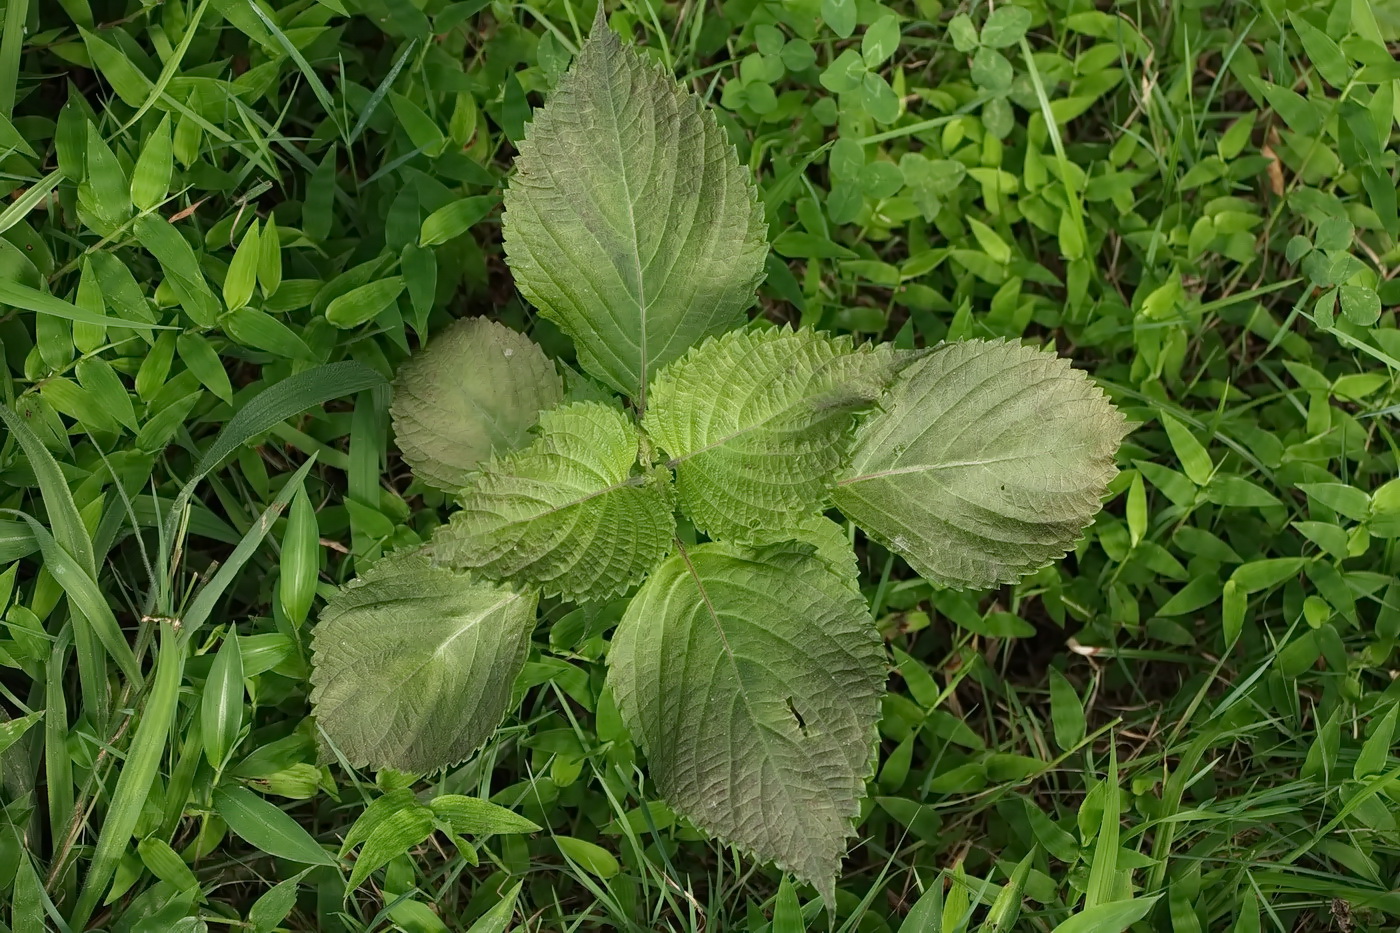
<point>757,423</point>
<point>150,179</point>
<point>177,260</point>
<point>363,304</point>
<point>764,735</point>
<point>394,836</point>
<point>988,461</point>
<point>498,917</point>
<point>452,220</point>
<point>589,856</point>
<point>572,513</point>
<point>470,816</point>
<point>221,706</point>
<point>477,389</point>
<point>242,275</point>
<point>1112,917</point>
<point>629,221</point>
<point>413,664</point>
<point>268,829</point>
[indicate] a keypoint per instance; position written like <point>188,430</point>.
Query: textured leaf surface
<point>757,423</point>
<point>629,220</point>
<point>477,388</point>
<point>572,512</point>
<point>988,461</point>
<point>414,663</point>
<point>753,681</point>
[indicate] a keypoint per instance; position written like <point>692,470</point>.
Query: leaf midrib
<point>643,307</point>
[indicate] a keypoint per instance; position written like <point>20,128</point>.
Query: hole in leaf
<point>801,723</point>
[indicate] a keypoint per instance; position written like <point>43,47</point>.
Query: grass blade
<point>137,774</point>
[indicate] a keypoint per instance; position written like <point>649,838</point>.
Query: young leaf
<point>243,270</point>
<point>266,827</point>
<point>393,837</point>
<point>987,462</point>
<point>569,513</point>
<point>764,735</point>
<point>150,180</point>
<point>757,422</point>
<point>477,389</point>
<point>629,220</point>
<point>414,664</point>
<point>470,816</point>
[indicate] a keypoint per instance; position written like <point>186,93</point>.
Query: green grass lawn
<point>226,224</point>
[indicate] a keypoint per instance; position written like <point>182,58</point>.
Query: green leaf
<point>757,422</point>
<point>21,296</point>
<point>991,71</point>
<point>242,275</point>
<point>472,817</point>
<point>269,910</point>
<point>629,221</point>
<point>962,33</point>
<point>1263,574</point>
<point>1359,304</point>
<point>452,220</point>
<point>413,664</point>
<point>589,856</point>
<point>150,179</point>
<point>12,730</point>
<point>1375,751</point>
<point>394,836</point>
<point>1301,114</point>
<point>177,260</point>
<point>1324,53</point>
<point>1005,26</point>
<point>1066,711</point>
<point>363,304</point>
<point>477,389</point>
<point>266,828</point>
<point>573,512</point>
<point>1112,917</point>
<point>221,707</point>
<point>986,464</point>
<point>764,735</point>
<point>498,917</point>
<point>841,16</point>
<point>880,41</point>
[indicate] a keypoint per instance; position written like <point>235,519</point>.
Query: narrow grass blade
<point>261,824</point>
<point>11,45</point>
<point>271,407</point>
<point>314,80</point>
<point>21,206</point>
<point>90,606</point>
<point>1103,870</point>
<point>31,299</point>
<point>137,774</point>
<point>199,610</point>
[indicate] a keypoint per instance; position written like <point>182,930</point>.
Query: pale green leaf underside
<point>414,664</point>
<point>629,220</point>
<point>477,388</point>
<point>988,461</point>
<point>757,423</point>
<point>571,513</point>
<point>752,680</point>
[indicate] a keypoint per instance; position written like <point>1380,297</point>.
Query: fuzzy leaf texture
<point>476,389</point>
<point>629,221</point>
<point>752,679</point>
<point>757,423</point>
<point>572,513</point>
<point>986,464</point>
<point>414,664</point>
